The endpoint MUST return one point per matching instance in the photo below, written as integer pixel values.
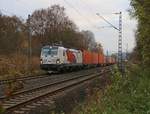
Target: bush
(128, 95)
(1, 110)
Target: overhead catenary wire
(7, 12)
(107, 21)
(93, 14)
(70, 5)
(26, 4)
(89, 9)
(89, 21)
(100, 16)
(19, 2)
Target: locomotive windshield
(49, 51)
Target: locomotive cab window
(45, 51)
(49, 51)
(54, 51)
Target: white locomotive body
(57, 58)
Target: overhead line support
(120, 54)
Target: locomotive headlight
(57, 61)
(41, 61)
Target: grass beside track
(128, 95)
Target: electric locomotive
(58, 58)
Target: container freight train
(58, 58)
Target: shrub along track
(23, 101)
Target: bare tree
(11, 31)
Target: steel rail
(45, 81)
(22, 78)
(41, 87)
(63, 86)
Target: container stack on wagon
(95, 58)
(87, 57)
(100, 59)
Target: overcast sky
(83, 13)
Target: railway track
(28, 98)
(43, 86)
(28, 83)
(6, 81)
(24, 78)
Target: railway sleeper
(19, 112)
(33, 110)
(25, 109)
(29, 109)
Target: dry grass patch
(17, 65)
